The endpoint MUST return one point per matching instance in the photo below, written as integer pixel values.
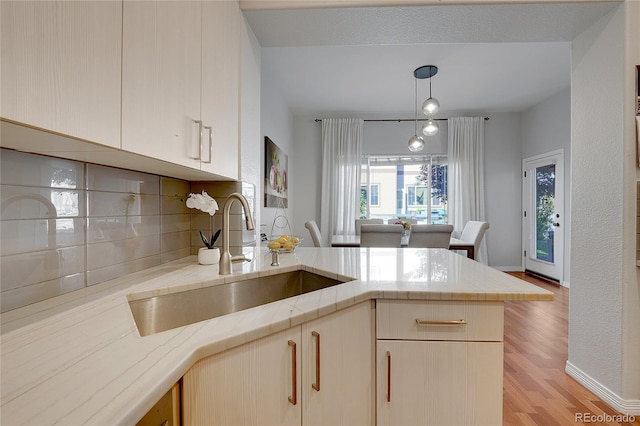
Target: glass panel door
(543, 202)
(545, 212)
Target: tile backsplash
(66, 224)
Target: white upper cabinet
(180, 83)
(61, 63)
(161, 70)
(221, 26)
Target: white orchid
(203, 202)
(207, 204)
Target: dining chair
(312, 226)
(472, 233)
(380, 235)
(432, 236)
(360, 222)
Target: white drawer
(439, 320)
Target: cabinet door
(439, 383)
(221, 86)
(338, 368)
(161, 80)
(61, 67)
(252, 384)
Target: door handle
(293, 399)
(210, 130)
(316, 385)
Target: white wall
(250, 141)
(546, 127)
(276, 123)
(631, 274)
(503, 190)
(600, 322)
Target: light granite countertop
(79, 359)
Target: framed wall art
(276, 178)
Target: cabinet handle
(199, 123)
(426, 322)
(316, 385)
(388, 376)
(294, 385)
(210, 143)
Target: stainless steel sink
(160, 313)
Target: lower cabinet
(439, 383)
(318, 373)
(439, 363)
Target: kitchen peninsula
(79, 359)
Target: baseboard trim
(625, 406)
(508, 268)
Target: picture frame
(276, 179)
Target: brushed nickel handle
(294, 374)
(210, 129)
(199, 123)
(388, 376)
(426, 322)
(316, 385)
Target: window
(374, 200)
(406, 186)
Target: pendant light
(431, 106)
(430, 128)
(416, 143)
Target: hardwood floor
(537, 391)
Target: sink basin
(160, 313)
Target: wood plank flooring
(537, 391)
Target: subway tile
(104, 254)
(102, 178)
(101, 204)
(25, 295)
(22, 236)
(116, 228)
(175, 223)
(29, 268)
(175, 241)
(23, 202)
(218, 189)
(24, 169)
(170, 187)
(110, 272)
(174, 204)
(175, 255)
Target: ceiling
(491, 58)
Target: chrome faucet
(225, 256)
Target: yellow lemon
(288, 245)
(295, 241)
(283, 239)
(273, 245)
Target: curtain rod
(402, 119)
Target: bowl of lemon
(284, 243)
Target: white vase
(207, 256)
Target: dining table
(353, 240)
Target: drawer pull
(426, 322)
(388, 376)
(293, 399)
(316, 385)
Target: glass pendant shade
(430, 128)
(430, 106)
(416, 143)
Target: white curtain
(466, 175)
(341, 157)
